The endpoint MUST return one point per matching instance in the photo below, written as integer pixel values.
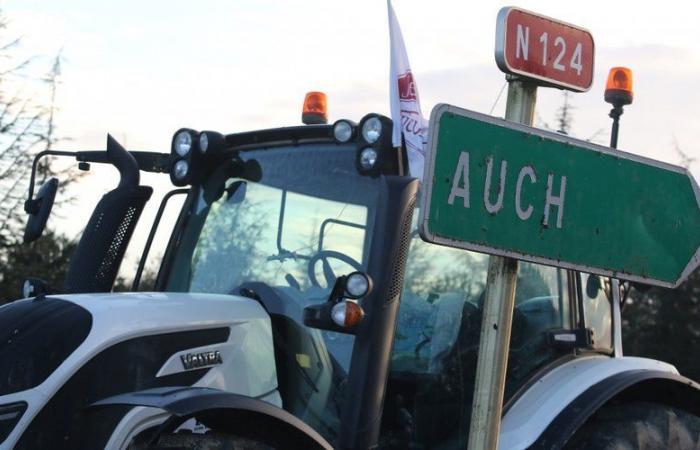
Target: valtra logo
(407, 87)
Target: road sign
(507, 189)
(544, 49)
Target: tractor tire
(208, 441)
(638, 426)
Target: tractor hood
(38, 335)
(62, 353)
(123, 315)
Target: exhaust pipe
(124, 162)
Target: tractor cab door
(433, 363)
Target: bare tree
(685, 159)
(27, 126)
(564, 118)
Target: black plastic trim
(151, 235)
(174, 241)
(281, 136)
(36, 336)
(672, 389)
(127, 366)
(10, 414)
(374, 337)
(225, 412)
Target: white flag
(405, 104)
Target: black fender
(660, 387)
(224, 412)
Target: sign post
(499, 301)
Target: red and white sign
(544, 49)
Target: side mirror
(593, 286)
(39, 209)
(33, 287)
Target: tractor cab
(289, 217)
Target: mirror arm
(147, 161)
(31, 206)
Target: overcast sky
(142, 69)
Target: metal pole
(499, 301)
(615, 114)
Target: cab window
(597, 308)
(433, 363)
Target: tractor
(296, 306)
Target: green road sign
(498, 187)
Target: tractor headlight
(342, 131)
(368, 158)
(372, 130)
(357, 285)
(182, 143)
(203, 142)
(181, 170)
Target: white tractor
(297, 307)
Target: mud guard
(224, 412)
(661, 387)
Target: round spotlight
(357, 285)
(181, 169)
(372, 129)
(183, 143)
(368, 158)
(347, 314)
(342, 131)
(203, 142)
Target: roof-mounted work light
(182, 142)
(372, 129)
(343, 131)
(315, 109)
(211, 142)
(184, 151)
(375, 153)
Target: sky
(142, 69)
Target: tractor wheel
(208, 441)
(638, 426)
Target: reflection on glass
(284, 239)
(598, 309)
(433, 362)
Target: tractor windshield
(280, 225)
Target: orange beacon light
(315, 109)
(618, 89)
(618, 92)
